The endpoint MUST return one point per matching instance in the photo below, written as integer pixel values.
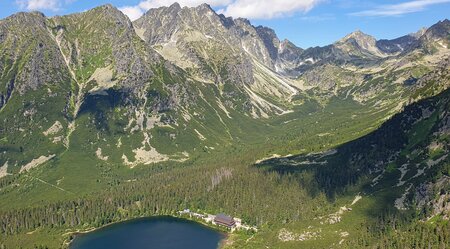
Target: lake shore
(73, 234)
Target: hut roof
(224, 219)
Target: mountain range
(91, 101)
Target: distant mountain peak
(107, 8)
(30, 18)
(359, 36)
(359, 41)
(107, 12)
(440, 30)
(445, 21)
(357, 32)
(173, 8)
(419, 33)
(175, 5)
(441, 24)
(266, 28)
(38, 13)
(287, 43)
(243, 20)
(31, 14)
(204, 6)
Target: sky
(307, 23)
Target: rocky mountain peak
(31, 17)
(111, 13)
(174, 6)
(270, 39)
(359, 37)
(289, 57)
(168, 11)
(286, 44)
(440, 30)
(25, 23)
(268, 31)
(107, 8)
(35, 13)
(159, 25)
(204, 7)
(203, 10)
(243, 20)
(358, 42)
(419, 33)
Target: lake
(150, 233)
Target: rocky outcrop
(206, 40)
(4, 97)
(359, 44)
(26, 41)
(181, 29)
(270, 40)
(434, 197)
(396, 45)
(107, 36)
(439, 31)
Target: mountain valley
(103, 119)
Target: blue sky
(305, 22)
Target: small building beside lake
(219, 220)
(224, 220)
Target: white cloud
(267, 9)
(400, 9)
(53, 5)
(133, 12)
(252, 9)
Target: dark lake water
(150, 233)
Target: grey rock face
(202, 37)
(4, 97)
(434, 196)
(396, 45)
(427, 39)
(270, 40)
(107, 37)
(26, 40)
(159, 24)
(182, 27)
(288, 58)
(288, 51)
(439, 77)
(185, 26)
(402, 44)
(440, 30)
